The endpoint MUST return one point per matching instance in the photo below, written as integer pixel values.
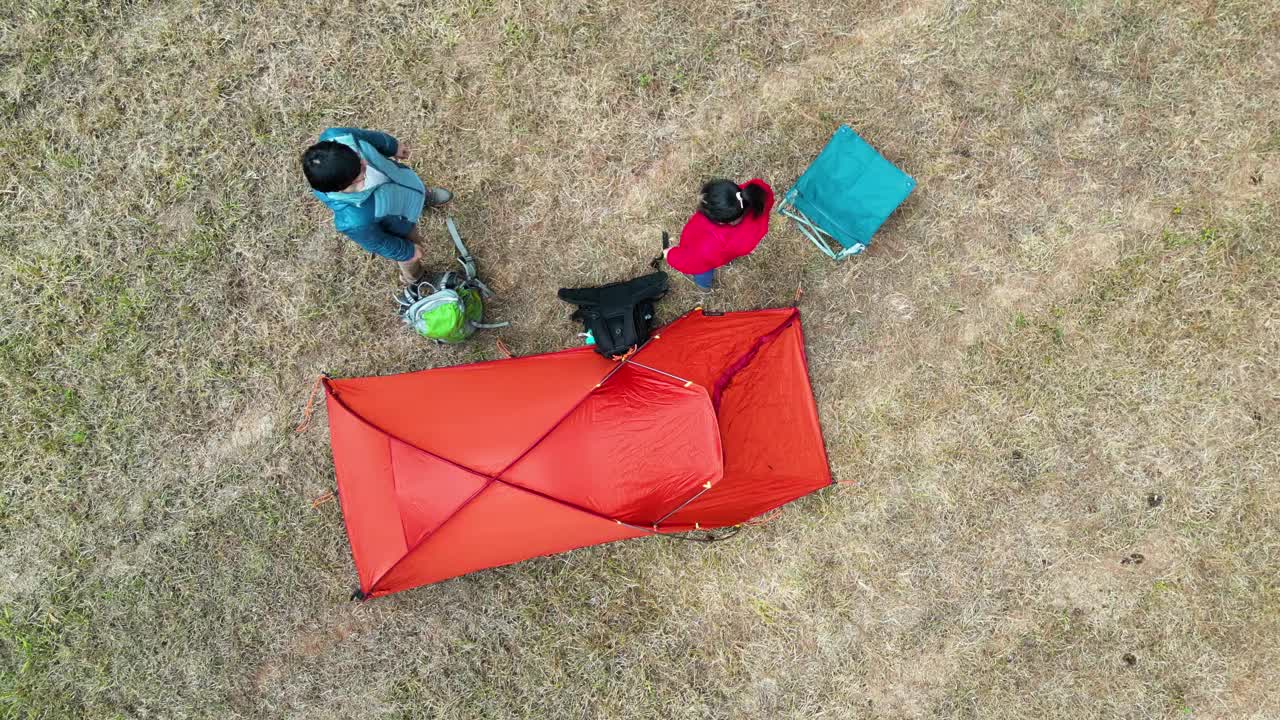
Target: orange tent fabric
(447, 471)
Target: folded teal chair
(845, 195)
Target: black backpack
(619, 315)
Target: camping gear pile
(703, 424)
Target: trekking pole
(666, 244)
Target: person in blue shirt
(376, 200)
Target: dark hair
(330, 166)
(721, 205)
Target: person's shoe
(438, 196)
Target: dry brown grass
(1074, 313)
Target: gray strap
(484, 289)
(468, 262)
(457, 239)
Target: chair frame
(819, 237)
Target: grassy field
(1054, 378)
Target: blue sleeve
(382, 142)
(380, 242)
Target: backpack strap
(484, 289)
(464, 256)
(582, 297)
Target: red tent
(447, 471)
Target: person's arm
(382, 142)
(677, 258)
(684, 257)
(380, 242)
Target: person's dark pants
(704, 280)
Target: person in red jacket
(730, 222)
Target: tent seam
(737, 366)
(395, 488)
(555, 426)
(491, 478)
(722, 383)
(557, 500)
(362, 419)
(373, 587)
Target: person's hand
(665, 252)
(417, 254)
(402, 152)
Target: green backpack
(448, 310)
(448, 307)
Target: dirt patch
(339, 624)
(1255, 178)
(255, 423)
(907, 687)
(1113, 579)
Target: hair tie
(740, 203)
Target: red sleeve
(687, 257)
